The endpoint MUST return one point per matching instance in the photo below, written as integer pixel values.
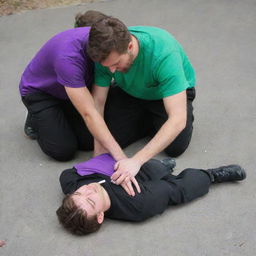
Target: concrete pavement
(219, 37)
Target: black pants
(60, 128)
(130, 119)
(62, 131)
(188, 185)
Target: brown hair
(75, 219)
(88, 18)
(107, 35)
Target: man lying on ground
(90, 194)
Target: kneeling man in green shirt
(144, 86)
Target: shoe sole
(243, 173)
(30, 137)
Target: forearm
(84, 103)
(99, 101)
(175, 107)
(100, 132)
(163, 138)
(176, 110)
(98, 147)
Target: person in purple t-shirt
(55, 88)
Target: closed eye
(91, 202)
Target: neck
(135, 50)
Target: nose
(112, 69)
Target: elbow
(92, 118)
(88, 115)
(99, 101)
(180, 124)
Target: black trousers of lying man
(91, 196)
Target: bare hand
(126, 170)
(127, 186)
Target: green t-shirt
(160, 69)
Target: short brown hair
(75, 219)
(88, 18)
(107, 35)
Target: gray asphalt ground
(219, 37)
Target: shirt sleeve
(68, 181)
(103, 76)
(170, 75)
(70, 73)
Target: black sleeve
(68, 181)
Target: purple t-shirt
(62, 61)
(103, 164)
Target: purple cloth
(103, 164)
(62, 61)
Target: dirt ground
(8, 7)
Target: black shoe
(28, 129)
(169, 162)
(227, 173)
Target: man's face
(93, 198)
(118, 62)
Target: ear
(130, 46)
(100, 217)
